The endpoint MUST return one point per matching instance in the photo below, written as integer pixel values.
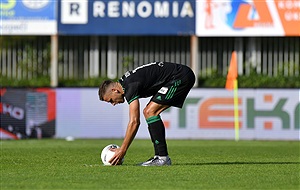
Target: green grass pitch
(197, 164)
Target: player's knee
(148, 112)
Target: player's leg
(156, 127)
(173, 93)
(157, 132)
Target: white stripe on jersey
(146, 65)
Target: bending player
(168, 84)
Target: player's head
(111, 92)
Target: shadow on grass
(235, 163)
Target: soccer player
(168, 84)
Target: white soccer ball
(107, 154)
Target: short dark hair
(103, 88)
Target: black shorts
(174, 92)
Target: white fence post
(238, 46)
(194, 57)
(54, 60)
(94, 57)
(112, 57)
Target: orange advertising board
(289, 13)
(248, 18)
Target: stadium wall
(264, 114)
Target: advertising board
(207, 114)
(116, 17)
(80, 114)
(27, 113)
(263, 114)
(23, 17)
(248, 18)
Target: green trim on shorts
(136, 97)
(173, 89)
(153, 119)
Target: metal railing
(24, 57)
(82, 57)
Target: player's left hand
(117, 158)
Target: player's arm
(133, 124)
(132, 128)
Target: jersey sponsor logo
(163, 90)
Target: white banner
(207, 114)
(248, 18)
(28, 27)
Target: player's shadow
(235, 163)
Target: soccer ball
(107, 154)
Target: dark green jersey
(147, 80)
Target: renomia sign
(127, 17)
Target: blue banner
(28, 17)
(116, 17)
(27, 10)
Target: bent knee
(148, 112)
(154, 109)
